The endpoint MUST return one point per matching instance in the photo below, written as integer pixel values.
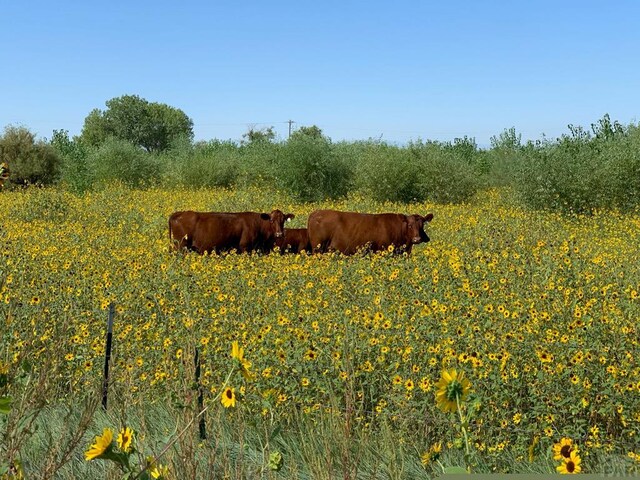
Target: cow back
(225, 231)
(348, 232)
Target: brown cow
(294, 240)
(216, 231)
(348, 232)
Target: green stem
(464, 433)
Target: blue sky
(398, 70)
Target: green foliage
(120, 161)
(308, 169)
(439, 172)
(388, 173)
(30, 161)
(76, 174)
(209, 164)
(447, 171)
(263, 135)
(313, 131)
(498, 165)
(149, 125)
(581, 171)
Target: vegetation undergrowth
(537, 309)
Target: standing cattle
(348, 232)
(216, 232)
(294, 240)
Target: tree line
(141, 143)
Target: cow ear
(428, 217)
(289, 216)
(265, 216)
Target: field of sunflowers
(539, 311)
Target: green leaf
(5, 405)
(275, 461)
(275, 433)
(455, 470)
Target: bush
(75, 172)
(388, 173)
(581, 172)
(29, 161)
(499, 164)
(307, 168)
(623, 170)
(210, 164)
(119, 160)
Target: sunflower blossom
(563, 449)
(228, 397)
(100, 446)
(237, 352)
(156, 470)
(450, 387)
(125, 439)
(570, 464)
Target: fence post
(107, 355)
(202, 425)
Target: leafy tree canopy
(256, 136)
(30, 161)
(313, 131)
(149, 125)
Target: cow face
(276, 220)
(415, 227)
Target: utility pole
(290, 122)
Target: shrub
(499, 164)
(119, 160)
(210, 164)
(580, 171)
(307, 168)
(29, 161)
(389, 173)
(448, 172)
(75, 172)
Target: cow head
(415, 227)
(276, 220)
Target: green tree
(258, 136)
(30, 161)
(313, 131)
(149, 125)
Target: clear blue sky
(397, 69)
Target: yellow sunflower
(451, 386)
(100, 446)
(563, 449)
(237, 352)
(156, 470)
(228, 397)
(125, 439)
(571, 464)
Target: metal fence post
(107, 355)
(202, 425)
